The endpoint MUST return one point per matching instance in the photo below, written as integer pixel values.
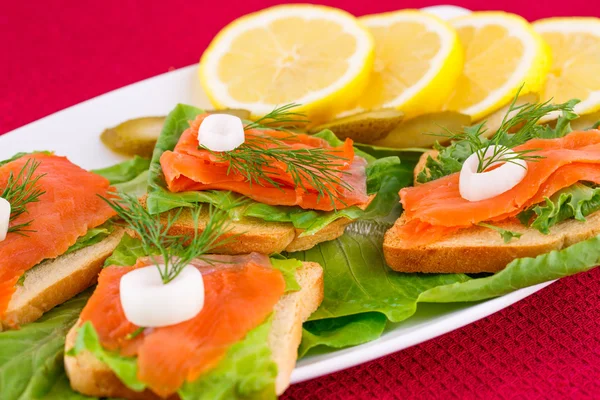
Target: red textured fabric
(59, 53)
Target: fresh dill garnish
(135, 333)
(506, 235)
(317, 167)
(281, 118)
(21, 190)
(176, 251)
(519, 125)
(524, 121)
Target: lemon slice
(418, 59)
(502, 53)
(317, 56)
(575, 71)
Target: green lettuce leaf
(288, 269)
(357, 279)
(505, 234)
(159, 198)
(31, 358)
(125, 171)
(138, 186)
(247, 372)
(385, 176)
(520, 273)
(126, 253)
(337, 333)
(124, 367)
(562, 126)
(576, 201)
(93, 236)
(129, 177)
(448, 161)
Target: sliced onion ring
(4, 217)
(221, 132)
(474, 186)
(148, 302)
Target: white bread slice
(93, 378)
(55, 281)
(257, 235)
(478, 249)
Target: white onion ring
(4, 217)
(474, 186)
(148, 302)
(221, 132)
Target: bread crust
(478, 249)
(55, 281)
(94, 378)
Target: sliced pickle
(138, 136)
(365, 127)
(425, 130)
(494, 120)
(134, 137)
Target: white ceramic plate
(74, 132)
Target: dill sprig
(319, 167)
(519, 125)
(281, 118)
(21, 190)
(176, 251)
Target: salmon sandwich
(481, 203)
(169, 319)
(55, 234)
(283, 190)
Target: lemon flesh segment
(417, 60)
(575, 70)
(502, 55)
(316, 56)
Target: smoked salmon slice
(190, 168)
(240, 294)
(67, 209)
(438, 204)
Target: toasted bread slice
(55, 281)
(257, 235)
(478, 249)
(94, 378)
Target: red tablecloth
(58, 53)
